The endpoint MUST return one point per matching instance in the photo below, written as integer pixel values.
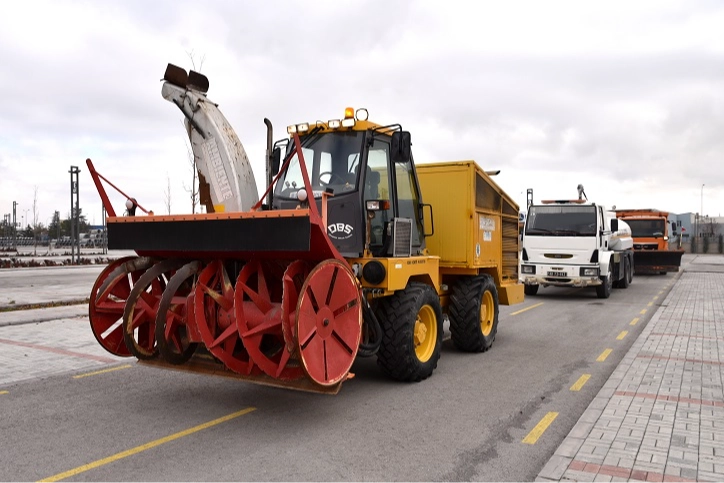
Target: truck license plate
(556, 274)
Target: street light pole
(702, 200)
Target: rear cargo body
(475, 225)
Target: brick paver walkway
(660, 416)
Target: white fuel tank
(220, 156)
(621, 239)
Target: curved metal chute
(219, 155)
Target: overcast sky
(626, 98)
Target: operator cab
(357, 161)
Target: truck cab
(352, 166)
(575, 243)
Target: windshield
(561, 221)
(646, 228)
(332, 160)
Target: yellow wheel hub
(487, 313)
(425, 333)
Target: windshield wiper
(537, 231)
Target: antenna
(581, 193)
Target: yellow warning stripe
(147, 446)
(540, 428)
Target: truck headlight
(529, 269)
(589, 272)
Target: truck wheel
(631, 271)
(530, 289)
(604, 290)
(411, 322)
(474, 313)
(623, 283)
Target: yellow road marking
(622, 335)
(634, 321)
(4, 392)
(527, 308)
(662, 290)
(580, 382)
(144, 447)
(540, 428)
(102, 371)
(603, 355)
(642, 312)
(656, 296)
(649, 304)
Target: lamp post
(702, 200)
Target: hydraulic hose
(371, 332)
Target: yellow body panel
(399, 271)
(476, 224)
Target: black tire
(399, 356)
(474, 313)
(530, 289)
(604, 290)
(631, 270)
(623, 283)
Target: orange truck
(655, 249)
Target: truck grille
(402, 236)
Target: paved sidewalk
(660, 416)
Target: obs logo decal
(340, 231)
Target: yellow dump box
(475, 225)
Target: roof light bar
(291, 129)
(333, 124)
(348, 122)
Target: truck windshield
(332, 160)
(646, 228)
(561, 221)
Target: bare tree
(36, 215)
(167, 194)
(193, 58)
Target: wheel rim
(425, 333)
(257, 305)
(108, 300)
(329, 322)
(487, 313)
(215, 320)
(175, 312)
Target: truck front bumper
(560, 276)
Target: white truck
(575, 243)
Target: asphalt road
(467, 422)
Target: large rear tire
(474, 313)
(623, 283)
(604, 290)
(411, 321)
(530, 289)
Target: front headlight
(589, 272)
(529, 269)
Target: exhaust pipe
(269, 174)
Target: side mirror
(614, 225)
(276, 160)
(400, 147)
